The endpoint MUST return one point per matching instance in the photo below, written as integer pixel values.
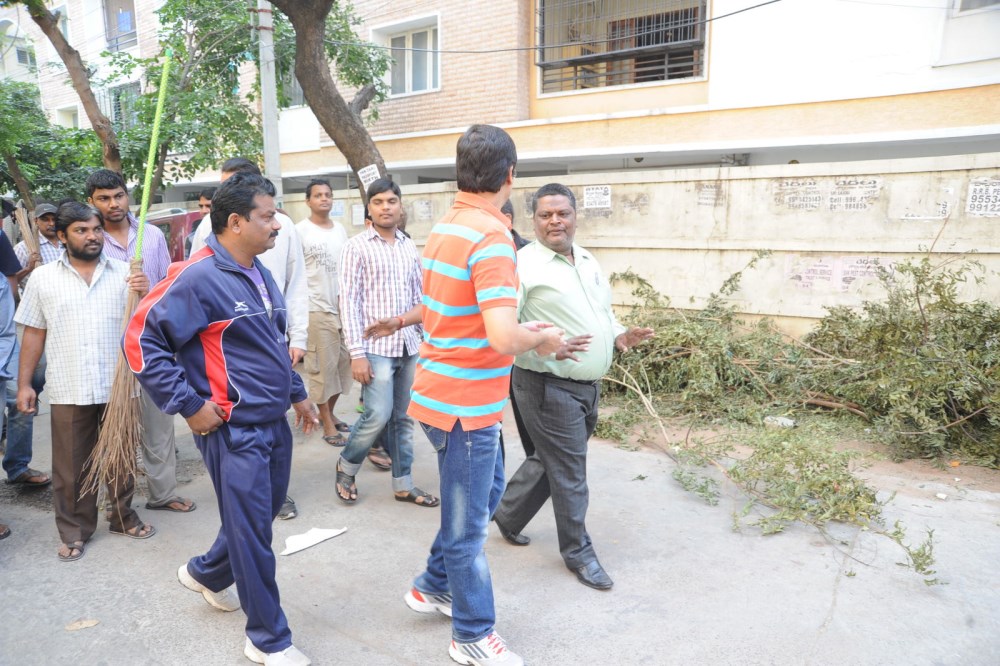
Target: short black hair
(313, 183)
(207, 193)
(236, 195)
(105, 179)
(240, 165)
(484, 156)
(508, 209)
(74, 211)
(383, 185)
(552, 190)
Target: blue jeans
(20, 427)
(386, 399)
(472, 483)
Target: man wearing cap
(49, 246)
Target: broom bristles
(119, 436)
(27, 229)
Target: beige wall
(687, 230)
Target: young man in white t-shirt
(327, 365)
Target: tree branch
(362, 99)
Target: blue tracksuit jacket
(203, 333)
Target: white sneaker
(425, 602)
(489, 651)
(226, 600)
(290, 656)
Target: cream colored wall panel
(829, 227)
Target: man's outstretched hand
(577, 343)
(632, 337)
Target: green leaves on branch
(919, 365)
(206, 118)
(926, 362)
(55, 160)
(916, 369)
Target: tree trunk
(81, 83)
(312, 69)
(20, 182)
(161, 163)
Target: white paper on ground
(297, 542)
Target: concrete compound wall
(826, 225)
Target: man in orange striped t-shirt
(471, 335)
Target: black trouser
(559, 415)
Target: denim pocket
(437, 437)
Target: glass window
(415, 61)
(398, 65)
(119, 24)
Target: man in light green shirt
(557, 400)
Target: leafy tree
(324, 33)
(43, 161)
(79, 76)
(19, 121)
(205, 119)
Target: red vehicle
(176, 224)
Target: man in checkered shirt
(72, 309)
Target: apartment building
(609, 85)
(837, 134)
(93, 27)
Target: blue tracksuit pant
(249, 466)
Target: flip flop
(75, 545)
(342, 427)
(4, 531)
(335, 440)
(346, 482)
(139, 534)
(416, 493)
(22, 479)
(176, 500)
(380, 459)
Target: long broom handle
(151, 161)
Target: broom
(29, 234)
(113, 459)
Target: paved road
(688, 589)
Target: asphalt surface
(688, 589)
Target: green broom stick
(113, 460)
(154, 141)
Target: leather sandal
(345, 483)
(418, 497)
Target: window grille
(119, 105)
(26, 57)
(598, 43)
(119, 24)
